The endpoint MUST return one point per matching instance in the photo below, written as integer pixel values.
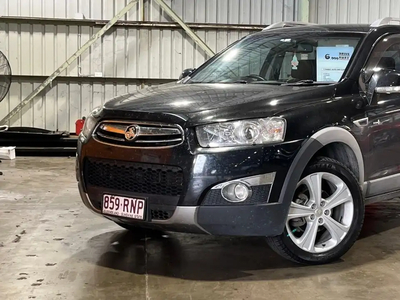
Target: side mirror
(382, 82)
(186, 73)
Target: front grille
(139, 134)
(161, 214)
(134, 177)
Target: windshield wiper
(269, 82)
(307, 82)
(254, 82)
(219, 82)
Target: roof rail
(287, 24)
(386, 21)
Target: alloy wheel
(321, 214)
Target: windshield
(281, 59)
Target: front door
(383, 119)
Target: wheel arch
(315, 145)
(338, 136)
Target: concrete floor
(52, 247)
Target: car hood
(206, 103)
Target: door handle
(377, 122)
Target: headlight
(91, 122)
(239, 133)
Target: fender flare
(316, 142)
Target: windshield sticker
(295, 62)
(332, 61)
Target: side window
(386, 55)
(382, 69)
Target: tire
(140, 231)
(313, 243)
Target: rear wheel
(325, 216)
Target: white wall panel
(122, 52)
(200, 11)
(61, 105)
(226, 11)
(353, 11)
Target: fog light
(241, 191)
(236, 192)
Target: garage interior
(68, 57)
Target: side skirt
(382, 197)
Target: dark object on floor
(37, 141)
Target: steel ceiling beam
(68, 62)
(189, 31)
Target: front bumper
(183, 219)
(246, 220)
(193, 211)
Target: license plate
(124, 207)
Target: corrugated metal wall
(199, 11)
(352, 11)
(124, 52)
(61, 105)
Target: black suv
(286, 134)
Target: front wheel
(325, 216)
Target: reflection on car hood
(201, 102)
